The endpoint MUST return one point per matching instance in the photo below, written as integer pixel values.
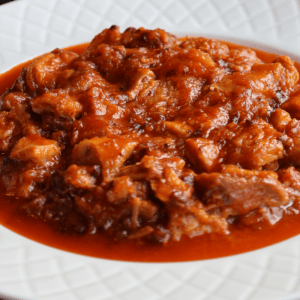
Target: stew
(148, 143)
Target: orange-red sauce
(204, 247)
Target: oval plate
(29, 270)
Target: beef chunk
(203, 153)
(109, 153)
(57, 102)
(279, 119)
(293, 149)
(43, 72)
(253, 144)
(178, 128)
(142, 81)
(81, 177)
(237, 192)
(290, 179)
(123, 187)
(171, 188)
(213, 47)
(6, 130)
(97, 126)
(292, 106)
(102, 102)
(14, 99)
(152, 166)
(36, 149)
(24, 184)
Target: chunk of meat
(237, 192)
(283, 73)
(24, 184)
(75, 81)
(236, 170)
(162, 171)
(124, 206)
(241, 59)
(192, 62)
(279, 119)
(142, 81)
(290, 178)
(20, 115)
(292, 106)
(141, 208)
(135, 194)
(109, 153)
(251, 93)
(215, 117)
(289, 75)
(253, 144)
(293, 149)
(153, 39)
(57, 102)
(81, 177)
(123, 187)
(7, 127)
(188, 88)
(180, 129)
(194, 221)
(162, 101)
(171, 188)
(134, 38)
(216, 49)
(97, 126)
(101, 102)
(109, 61)
(147, 209)
(36, 149)
(203, 153)
(110, 36)
(258, 81)
(43, 72)
(13, 99)
(152, 167)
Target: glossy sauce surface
(241, 239)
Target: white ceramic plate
(29, 270)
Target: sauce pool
(240, 240)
